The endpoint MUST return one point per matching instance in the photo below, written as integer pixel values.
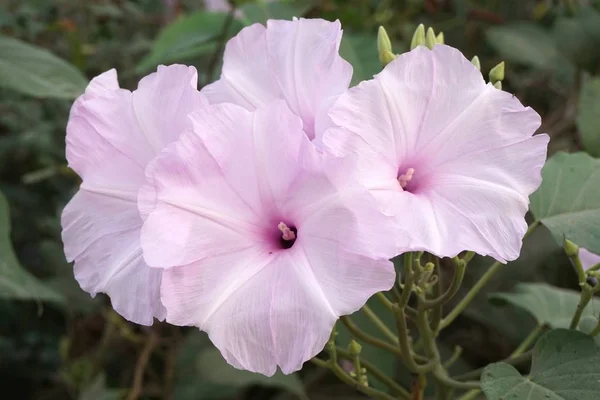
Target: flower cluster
(267, 205)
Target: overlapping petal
(228, 184)
(471, 147)
(111, 136)
(296, 61)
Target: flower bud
(439, 39)
(498, 85)
(354, 348)
(430, 38)
(497, 73)
(418, 38)
(476, 63)
(386, 57)
(571, 249)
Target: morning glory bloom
(296, 61)
(452, 158)
(263, 241)
(112, 134)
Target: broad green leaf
(587, 325)
(565, 366)
(568, 201)
(15, 282)
(189, 37)
(37, 72)
(588, 115)
(262, 11)
(361, 52)
(546, 303)
(201, 373)
(530, 45)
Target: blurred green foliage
(75, 347)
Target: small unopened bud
(439, 39)
(430, 38)
(497, 73)
(592, 281)
(418, 38)
(384, 45)
(354, 348)
(571, 249)
(386, 57)
(498, 85)
(476, 63)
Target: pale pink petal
(247, 79)
(468, 147)
(296, 61)
(305, 61)
(102, 235)
(588, 259)
(217, 201)
(111, 135)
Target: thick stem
(586, 295)
(405, 350)
(485, 278)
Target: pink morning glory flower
(264, 241)
(112, 134)
(296, 61)
(453, 158)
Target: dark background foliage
(58, 343)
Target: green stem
(358, 334)
(384, 300)
(485, 278)
(379, 324)
(405, 350)
(528, 341)
(378, 374)
(437, 312)
(586, 295)
(457, 279)
(347, 379)
(454, 357)
(443, 377)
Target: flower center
(288, 235)
(406, 177)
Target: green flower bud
(476, 63)
(386, 57)
(430, 38)
(571, 249)
(418, 38)
(354, 348)
(383, 41)
(498, 85)
(439, 39)
(497, 73)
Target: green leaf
(261, 11)
(530, 45)
(587, 325)
(15, 282)
(568, 201)
(188, 37)
(565, 366)
(382, 359)
(548, 304)
(361, 52)
(588, 115)
(37, 72)
(201, 373)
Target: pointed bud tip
(439, 39)
(418, 38)
(476, 63)
(430, 40)
(497, 73)
(571, 249)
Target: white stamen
(406, 177)
(287, 233)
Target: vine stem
(485, 278)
